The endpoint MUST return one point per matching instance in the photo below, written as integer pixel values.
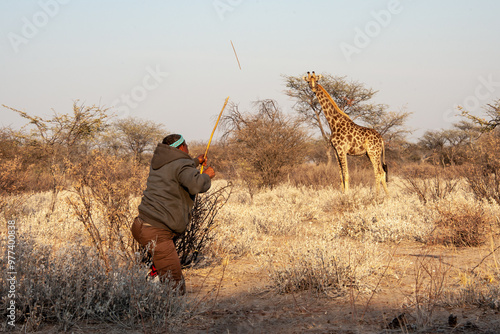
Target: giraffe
(348, 138)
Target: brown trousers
(160, 245)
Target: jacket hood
(164, 154)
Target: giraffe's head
(312, 80)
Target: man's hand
(202, 160)
(210, 172)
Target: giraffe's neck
(328, 100)
(332, 112)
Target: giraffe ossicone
(349, 138)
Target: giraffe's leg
(344, 172)
(383, 176)
(377, 176)
(379, 173)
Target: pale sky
(172, 61)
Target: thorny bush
(199, 233)
(460, 226)
(103, 187)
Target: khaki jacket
(172, 185)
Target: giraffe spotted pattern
(349, 138)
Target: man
(164, 212)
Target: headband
(178, 142)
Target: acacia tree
(66, 136)
(264, 145)
(73, 133)
(355, 100)
(447, 146)
(483, 174)
(492, 111)
(134, 135)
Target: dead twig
(484, 258)
(378, 283)
(224, 265)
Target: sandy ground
(246, 304)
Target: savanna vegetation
(274, 224)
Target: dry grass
(301, 239)
(62, 280)
(322, 241)
(319, 176)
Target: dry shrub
(12, 181)
(351, 201)
(11, 176)
(430, 281)
(460, 226)
(200, 232)
(430, 183)
(329, 267)
(483, 173)
(104, 186)
(475, 292)
(19, 175)
(264, 145)
(316, 176)
(484, 183)
(72, 284)
(395, 219)
(316, 271)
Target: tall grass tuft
(328, 267)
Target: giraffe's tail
(384, 166)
